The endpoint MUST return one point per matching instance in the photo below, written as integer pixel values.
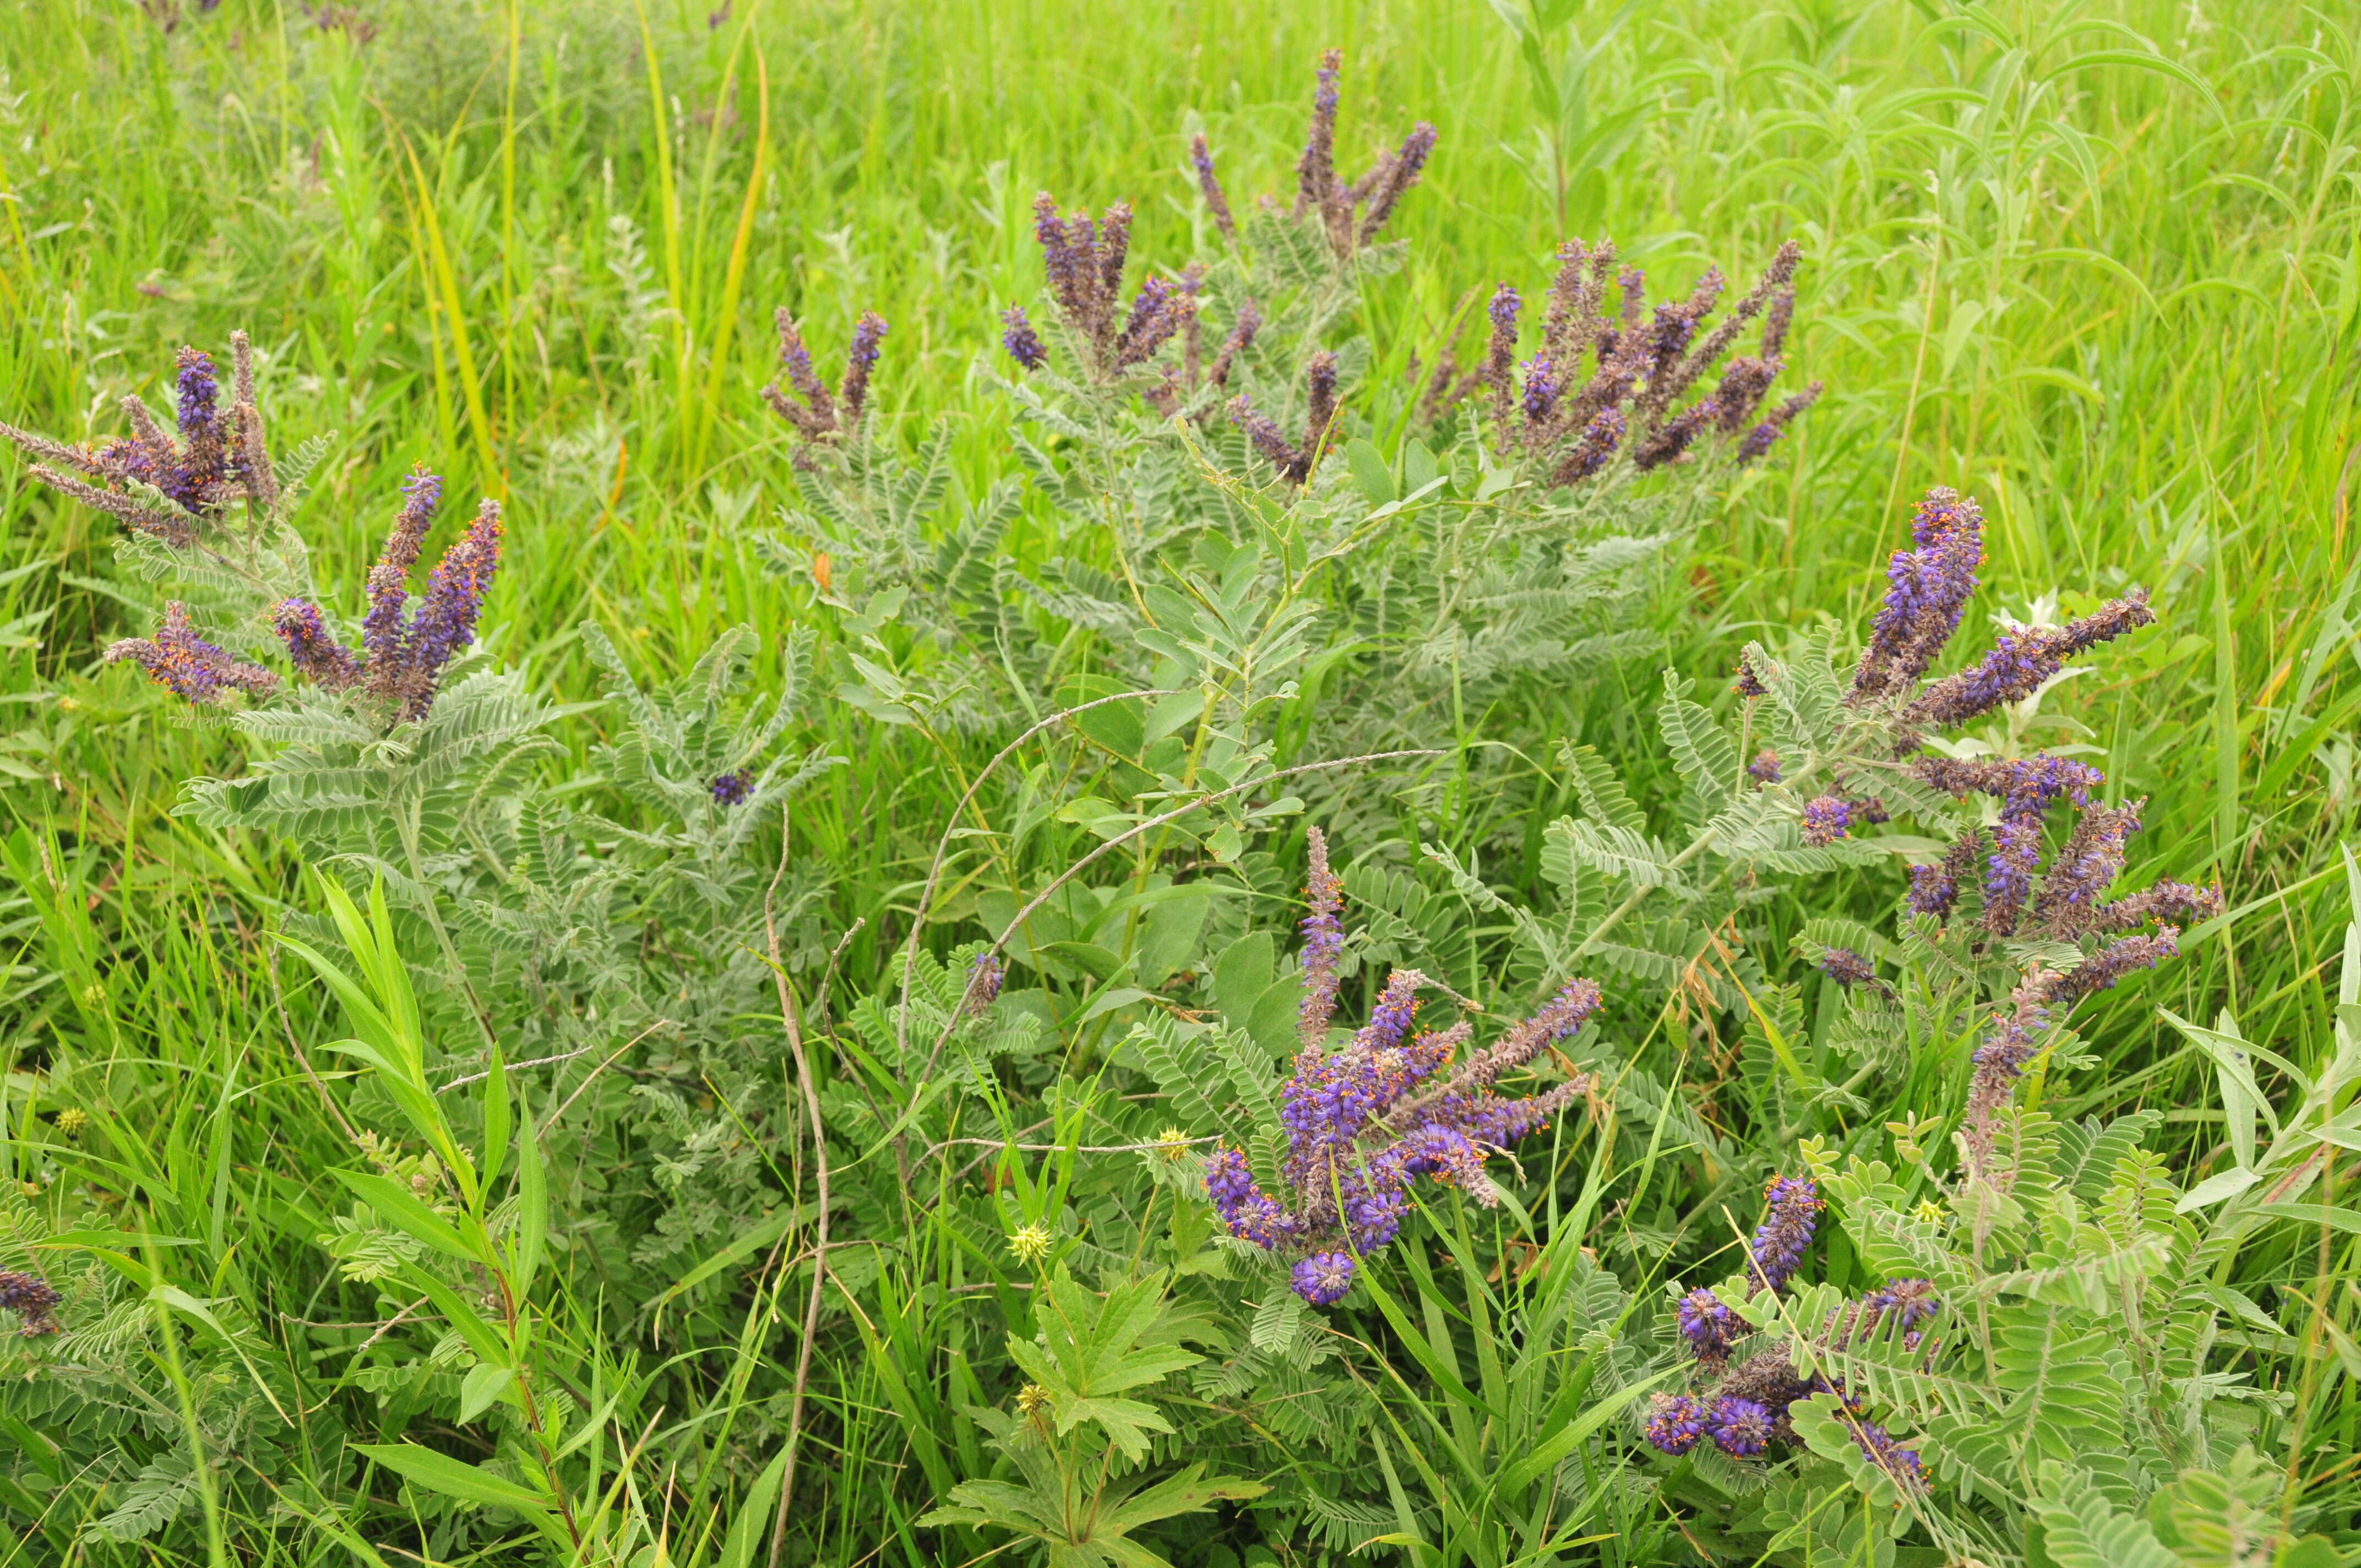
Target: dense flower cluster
(1708, 1324)
(1742, 1410)
(179, 659)
(1642, 361)
(2017, 897)
(1323, 943)
(1927, 590)
(404, 649)
(1396, 1103)
(1827, 818)
(1909, 1301)
(213, 461)
(1351, 213)
(1848, 967)
(1792, 1206)
(1677, 1423)
(33, 1300)
(731, 788)
(985, 976)
(1023, 345)
(1295, 460)
(217, 459)
(823, 415)
(2022, 659)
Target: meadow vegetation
(904, 782)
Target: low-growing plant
(1082, 1230)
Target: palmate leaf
(1092, 1348)
(1087, 1534)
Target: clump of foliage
(1084, 1217)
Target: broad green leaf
(2214, 1189)
(1550, 1450)
(1370, 472)
(485, 1382)
(496, 1120)
(753, 1517)
(532, 1209)
(402, 1209)
(449, 1477)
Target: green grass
(2097, 265)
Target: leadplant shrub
(1085, 1186)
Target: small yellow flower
(1928, 1211)
(71, 1122)
(1032, 1400)
(1172, 1144)
(1031, 1243)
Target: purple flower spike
(2102, 969)
(185, 664)
(1739, 1427)
(861, 357)
(1927, 591)
(197, 391)
(731, 788)
(316, 656)
(1315, 172)
(1901, 1464)
(446, 622)
(1501, 352)
(1390, 1019)
(31, 1298)
(389, 580)
(1292, 464)
(1848, 967)
(1709, 1326)
(1785, 1234)
(203, 460)
(1155, 317)
(1764, 768)
(1825, 820)
(1768, 433)
(2022, 661)
(1250, 1213)
(984, 978)
(1023, 344)
(1540, 389)
(1598, 446)
(1324, 1277)
(1908, 1302)
(1363, 1121)
(1676, 1424)
(1209, 184)
(1400, 173)
(1324, 941)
